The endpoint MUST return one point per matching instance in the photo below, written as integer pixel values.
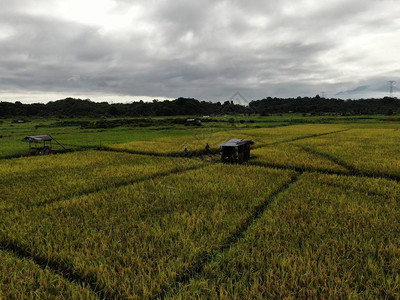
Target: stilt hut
(236, 150)
(41, 144)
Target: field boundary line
(60, 152)
(258, 212)
(99, 189)
(200, 153)
(13, 156)
(117, 185)
(297, 169)
(301, 138)
(207, 258)
(331, 158)
(108, 149)
(57, 268)
(193, 154)
(171, 154)
(327, 172)
(358, 190)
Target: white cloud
(205, 49)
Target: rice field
(23, 279)
(292, 156)
(153, 230)
(26, 182)
(368, 151)
(313, 214)
(197, 141)
(325, 237)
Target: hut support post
(58, 142)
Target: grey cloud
(204, 49)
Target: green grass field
(313, 213)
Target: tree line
(71, 107)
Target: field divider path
(325, 171)
(104, 188)
(81, 148)
(331, 158)
(297, 169)
(62, 269)
(301, 138)
(172, 154)
(372, 193)
(57, 268)
(239, 233)
(106, 148)
(117, 185)
(200, 153)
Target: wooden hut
(41, 144)
(236, 150)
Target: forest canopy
(71, 107)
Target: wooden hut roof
(39, 138)
(236, 143)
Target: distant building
(193, 122)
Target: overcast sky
(121, 50)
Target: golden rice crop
(196, 143)
(291, 156)
(23, 279)
(372, 151)
(327, 236)
(33, 180)
(135, 240)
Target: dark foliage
(85, 108)
(318, 105)
(71, 108)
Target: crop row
(135, 240)
(327, 236)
